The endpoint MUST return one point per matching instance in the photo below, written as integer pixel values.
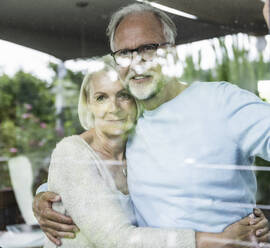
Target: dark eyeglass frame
(155, 46)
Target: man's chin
(140, 95)
(141, 90)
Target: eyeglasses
(147, 52)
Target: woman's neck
(108, 147)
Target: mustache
(133, 74)
(142, 69)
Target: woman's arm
(96, 209)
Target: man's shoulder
(204, 91)
(214, 89)
(226, 89)
(224, 94)
(216, 85)
(206, 94)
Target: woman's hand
(261, 225)
(251, 231)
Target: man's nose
(136, 58)
(137, 63)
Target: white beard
(142, 91)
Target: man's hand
(247, 232)
(266, 12)
(53, 224)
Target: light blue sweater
(179, 172)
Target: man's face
(135, 30)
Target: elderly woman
(89, 172)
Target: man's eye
(148, 48)
(124, 52)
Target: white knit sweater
(89, 196)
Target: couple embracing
(131, 179)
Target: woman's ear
(88, 100)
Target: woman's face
(113, 108)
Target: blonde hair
(85, 115)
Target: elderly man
(182, 126)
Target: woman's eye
(100, 98)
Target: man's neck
(167, 92)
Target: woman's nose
(113, 106)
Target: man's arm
(53, 224)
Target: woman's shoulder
(72, 140)
(71, 145)
(72, 153)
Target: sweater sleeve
(95, 208)
(248, 119)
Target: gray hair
(84, 112)
(169, 28)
